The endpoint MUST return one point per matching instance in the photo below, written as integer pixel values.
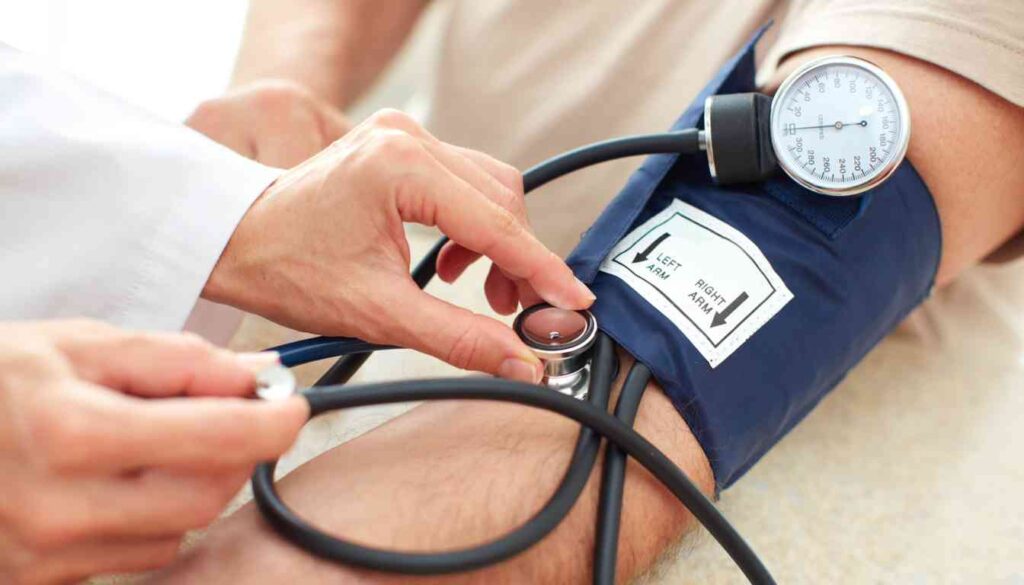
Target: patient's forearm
(334, 47)
(450, 475)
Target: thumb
(462, 338)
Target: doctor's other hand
(276, 122)
(324, 249)
(113, 444)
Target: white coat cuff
(186, 246)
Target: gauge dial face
(840, 126)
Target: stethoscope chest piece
(275, 383)
(562, 339)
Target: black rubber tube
(318, 348)
(613, 480)
(342, 370)
(593, 418)
(578, 471)
(680, 142)
(309, 538)
(677, 142)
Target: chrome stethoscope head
(562, 339)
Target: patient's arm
(453, 474)
(965, 143)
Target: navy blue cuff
(855, 266)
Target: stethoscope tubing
(591, 414)
(681, 141)
(577, 473)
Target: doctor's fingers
(456, 335)
(502, 184)
(51, 516)
(503, 290)
(80, 561)
(156, 364)
(455, 259)
(86, 429)
(500, 291)
(498, 181)
(505, 174)
(439, 198)
(505, 293)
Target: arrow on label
(721, 316)
(641, 256)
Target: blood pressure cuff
(750, 303)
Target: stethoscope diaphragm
(562, 340)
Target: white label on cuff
(706, 277)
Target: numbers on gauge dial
(838, 125)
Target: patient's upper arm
(966, 143)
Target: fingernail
(520, 370)
(576, 296)
(585, 292)
(258, 361)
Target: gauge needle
(837, 125)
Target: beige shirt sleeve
(981, 40)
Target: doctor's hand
(276, 122)
(113, 444)
(324, 249)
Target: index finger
(471, 219)
(156, 364)
(190, 433)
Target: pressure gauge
(839, 126)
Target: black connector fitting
(737, 137)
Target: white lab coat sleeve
(105, 210)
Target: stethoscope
(837, 115)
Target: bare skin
(277, 122)
(316, 44)
(63, 461)
(976, 186)
(352, 201)
(448, 475)
(964, 143)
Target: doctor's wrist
(234, 280)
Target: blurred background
(165, 56)
(169, 56)
(919, 483)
